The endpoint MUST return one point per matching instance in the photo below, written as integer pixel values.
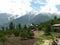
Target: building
(56, 27)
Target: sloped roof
(56, 25)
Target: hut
(56, 27)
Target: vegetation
(11, 26)
(46, 27)
(48, 30)
(15, 30)
(26, 32)
(3, 38)
(42, 38)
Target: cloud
(14, 7)
(21, 7)
(50, 6)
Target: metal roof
(56, 25)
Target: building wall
(56, 29)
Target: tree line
(16, 30)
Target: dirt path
(46, 42)
(38, 33)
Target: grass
(42, 38)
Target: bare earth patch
(46, 42)
(38, 33)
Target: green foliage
(2, 28)
(48, 30)
(25, 27)
(2, 36)
(11, 26)
(31, 34)
(19, 26)
(46, 37)
(8, 32)
(50, 22)
(55, 17)
(16, 32)
(42, 38)
(3, 39)
(6, 28)
(25, 34)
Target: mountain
(4, 18)
(32, 18)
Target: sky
(21, 7)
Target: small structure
(56, 27)
(32, 27)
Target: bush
(8, 32)
(26, 34)
(31, 34)
(16, 32)
(48, 30)
(3, 38)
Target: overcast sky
(21, 7)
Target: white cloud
(21, 7)
(14, 7)
(50, 6)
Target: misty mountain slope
(4, 18)
(28, 19)
(24, 19)
(40, 18)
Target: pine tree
(55, 17)
(2, 28)
(19, 26)
(25, 27)
(48, 30)
(11, 26)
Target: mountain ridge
(31, 17)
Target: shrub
(48, 30)
(3, 38)
(8, 32)
(16, 32)
(31, 34)
(26, 34)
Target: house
(56, 27)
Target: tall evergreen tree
(48, 29)
(52, 22)
(2, 28)
(11, 26)
(55, 17)
(25, 27)
(19, 26)
(6, 28)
